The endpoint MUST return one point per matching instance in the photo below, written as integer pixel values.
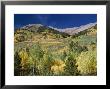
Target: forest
(43, 51)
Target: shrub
(87, 63)
(57, 66)
(17, 63)
(46, 64)
(36, 54)
(75, 47)
(20, 38)
(24, 57)
(71, 67)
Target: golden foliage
(87, 62)
(24, 58)
(58, 66)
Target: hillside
(76, 30)
(44, 51)
(36, 31)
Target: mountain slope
(76, 30)
(32, 31)
(37, 31)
